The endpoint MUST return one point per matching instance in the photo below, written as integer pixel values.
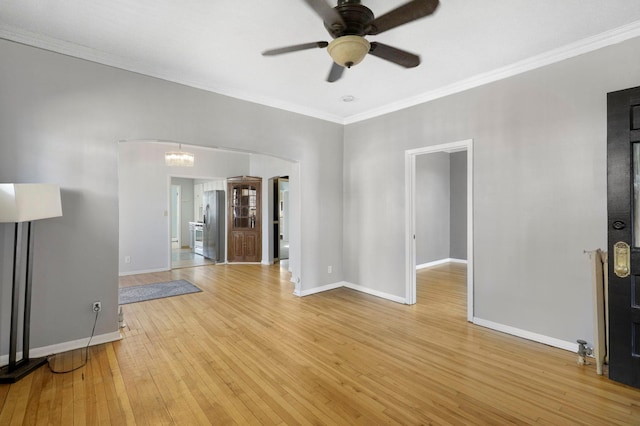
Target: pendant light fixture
(179, 158)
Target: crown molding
(92, 55)
(580, 47)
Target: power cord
(86, 349)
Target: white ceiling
(216, 45)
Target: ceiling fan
(349, 22)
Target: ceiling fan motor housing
(355, 16)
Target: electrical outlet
(127, 259)
(330, 269)
(96, 306)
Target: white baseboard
(143, 271)
(65, 346)
(376, 293)
(440, 262)
(351, 286)
(320, 289)
(540, 338)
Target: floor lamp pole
(15, 370)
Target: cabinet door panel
(236, 246)
(251, 247)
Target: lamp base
(22, 368)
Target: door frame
(410, 218)
(274, 202)
(176, 213)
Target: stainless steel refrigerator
(213, 208)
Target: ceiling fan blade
(395, 55)
(408, 12)
(295, 48)
(335, 73)
(329, 15)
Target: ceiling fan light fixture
(349, 50)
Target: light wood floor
(185, 258)
(246, 351)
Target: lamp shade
(23, 202)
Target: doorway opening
(283, 206)
(279, 217)
(187, 220)
(175, 216)
(413, 202)
(144, 184)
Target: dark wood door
(245, 216)
(623, 193)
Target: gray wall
(441, 207)
(539, 188)
(60, 122)
(433, 196)
(458, 209)
(267, 168)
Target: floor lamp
(21, 204)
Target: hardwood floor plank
(35, 392)
(17, 414)
(119, 389)
(247, 351)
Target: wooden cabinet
(244, 219)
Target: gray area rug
(141, 293)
